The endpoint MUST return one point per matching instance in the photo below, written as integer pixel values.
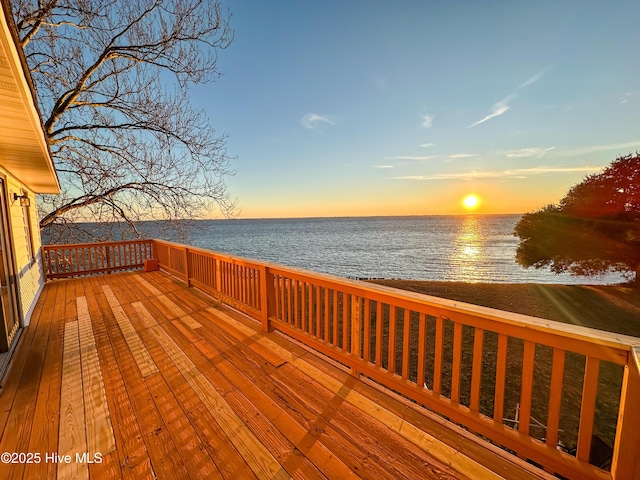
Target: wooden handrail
(72, 260)
(421, 346)
(412, 300)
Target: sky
(364, 108)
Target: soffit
(23, 148)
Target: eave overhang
(24, 151)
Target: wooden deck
(150, 379)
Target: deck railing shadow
(523, 383)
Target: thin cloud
(383, 166)
(535, 78)
(532, 80)
(518, 173)
(627, 97)
(603, 148)
(410, 157)
(536, 152)
(426, 145)
(312, 121)
(427, 120)
(498, 108)
(463, 155)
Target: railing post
(267, 297)
(218, 280)
(626, 450)
(44, 262)
(186, 266)
(153, 249)
(107, 256)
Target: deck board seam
(140, 353)
(255, 453)
(410, 432)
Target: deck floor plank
(244, 337)
(133, 458)
(400, 461)
(19, 421)
(228, 460)
(224, 455)
(192, 389)
(160, 446)
(72, 437)
(98, 418)
(317, 412)
(317, 453)
(255, 453)
(138, 350)
(44, 438)
(190, 448)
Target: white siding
(28, 271)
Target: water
(473, 248)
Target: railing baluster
(406, 349)
(304, 319)
(501, 369)
(457, 362)
(526, 391)
(391, 353)
(334, 317)
(379, 326)
(367, 330)
(326, 315)
(296, 304)
(476, 369)
(356, 328)
(422, 347)
(555, 397)
(318, 306)
(437, 362)
(345, 321)
(587, 409)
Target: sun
(471, 202)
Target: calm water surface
(473, 248)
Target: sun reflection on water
(468, 256)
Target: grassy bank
(615, 308)
(612, 308)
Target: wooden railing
(471, 364)
(62, 261)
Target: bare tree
(112, 82)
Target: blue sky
(341, 108)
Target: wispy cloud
(518, 173)
(313, 121)
(381, 167)
(536, 77)
(427, 120)
(426, 145)
(463, 155)
(532, 80)
(603, 148)
(411, 157)
(498, 108)
(627, 97)
(536, 152)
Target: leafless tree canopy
(112, 81)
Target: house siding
(28, 270)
